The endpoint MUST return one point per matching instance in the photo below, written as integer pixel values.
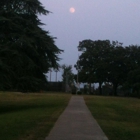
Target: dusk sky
(91, 19)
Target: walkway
(76, 123)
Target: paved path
(76, 123)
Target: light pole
(56, 75)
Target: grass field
(118, 117)
(29, 116)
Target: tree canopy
(26, 50)
(104, 61)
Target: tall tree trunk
(115, 86)
(100, 88)
(89, 88)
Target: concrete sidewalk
(76, 123)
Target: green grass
(29, 116)
(118, 117)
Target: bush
(79, 92)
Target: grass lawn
(118, 117)
(29, 116)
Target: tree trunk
(89, 88)
(115, 89)
(100, 88)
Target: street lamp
(56, 74)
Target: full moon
(72, 10)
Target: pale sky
(92, 19)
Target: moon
(72, 10)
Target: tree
(117, 65)
(67, 75)
(134, 81)
(26, 50)
(92, 62)
(102, 61)
(133, 78)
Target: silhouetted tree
(133, 78)
(26, 50)
(103, 61)
(117, 65)
(67, 75)
(92, 62)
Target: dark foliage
(104, 61)
(26, 50)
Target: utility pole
(56, 75)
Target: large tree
(92, 61)
(26, 50)
(133, 78)
(103, 61)
(117, 65)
